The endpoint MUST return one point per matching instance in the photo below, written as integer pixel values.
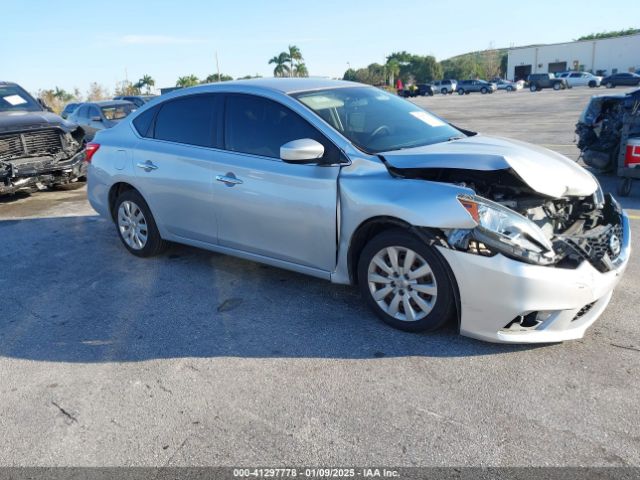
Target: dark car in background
(137, 100)
(540, 81)
(420, 89)
(37, 148)
(94, 116)
(68, 109)
(624, 79)
(465, 87)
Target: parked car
(68, 109)
(445, 86)
(508, 85)
(137, 100)
(465, 87)
(421, 89)
(37, 147)
(540, 81)
(621, 79)
(94, 116)
(580, 79)
(354, 185)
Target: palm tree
(294, 55)
(393, 69)
(301, 70)
(281, 68)
(187, 81)
(146, 81)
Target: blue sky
(47, 43)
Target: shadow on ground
(72, 293)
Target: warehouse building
(602, 57)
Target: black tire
(443, 308)
(624, 187)
(509, 89)
(484, 90)
(533, 87)
(557, 86)
(593, 84)
(443, 91)
(154, 243)
(610, 85)
(460, 91)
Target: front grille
(30, 144)
(595, 246)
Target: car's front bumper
(496, 290)
(42, 171)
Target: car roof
(109, 103)
(282, 85)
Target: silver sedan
(511, 242)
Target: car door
(174, 165)
(264, 205)
(576, 79)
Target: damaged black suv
(37, 148)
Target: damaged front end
(39, 157)
(561, 233)
(600, 127)
(514, 220)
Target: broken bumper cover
(496, 290)
(38, 172)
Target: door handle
(147, 166)
(229, 179)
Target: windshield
(376, 121)
(14, 98)
(117, 112)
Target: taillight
(90, 150)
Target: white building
(607, 55)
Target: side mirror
(96, 119)
(304, 150)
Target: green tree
(350, 75)
(295, 56)
(215, 78)
(281, 68)
(300, 70)
(187, 81)
(392, 69)
(426, 69)
(146, 82)
(615, 33)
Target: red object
(90, 149)
(632, 157)
(399, 85)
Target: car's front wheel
(461, 92)
(557, 86)
(484, 90)
(610, 85)
(533, 87)
(136, 226)
(405, 282)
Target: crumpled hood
(545, 171)
(20, 121)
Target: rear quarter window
(142, 123)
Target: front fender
(420, 203)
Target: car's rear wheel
(405, 282)
(460, 91)
(443, 91)
(136, 226)
(592, 84)
(483, 90)
(557, 86)
(509, 89)
(610, 85)
(533, 87)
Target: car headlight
(506, 231)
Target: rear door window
(190, 120)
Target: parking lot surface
(195, 358)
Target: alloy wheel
(402, 283)
(132, 225)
